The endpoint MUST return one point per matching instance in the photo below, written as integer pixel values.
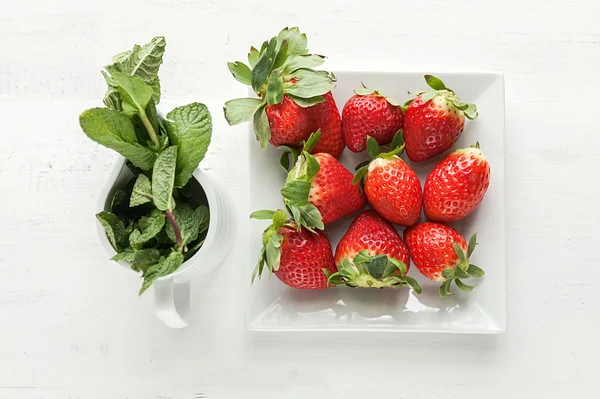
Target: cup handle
(172, 302)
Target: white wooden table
(71, 324)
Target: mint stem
(150, 129)
(173, 222)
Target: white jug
(172, 292)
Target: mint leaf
(142, 61)
(127, 255)
(310, 84)
(134, 92)
(240, 72)
(115, 231)
(142, 259)
(203, 215)
(150, 226)
(162, 268)
(241, 109)
(163, 179)
(188, 221)
(119, 205)
(100, 122)
(145, 62)
(190, 129)
(114, 130)
(142, 191)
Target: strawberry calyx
(270, 254)
(365, 91)
(367, 271)
(281, 67)
(462, 270)
(438, 88)
(297, 186)
(395, 149)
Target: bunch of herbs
(151, 222)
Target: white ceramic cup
(172, 292)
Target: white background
(71, 324)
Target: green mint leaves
(163, 179)
(152, 224)
(189, 128)
(142, 191)
(115, 130)
(143, 62)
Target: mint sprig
(155, 222)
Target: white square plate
(272, 306)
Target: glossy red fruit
(456, 186)
(304, 255)
(393, 190)
(292, 124)
(319, 189)
(332, 191)
(370, 232)
(369, 113)
(295, 255)
(326, 117)
(372, 255)
(288, 123)
(434, 120)
(441, 254)
(294, 100)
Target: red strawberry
(391, 186)
(294, 100)
(456, 185)
(296, 256)
(319, 189)
(372, 254)
(326, 117)
(441, 254)
(434, 120)
(369, 113)
(288, 122)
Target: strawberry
(293, 101)
(391, 186)
(441, 254)
(295, 255)
(369, 113)
(456, 185)
(434, 120)
(319, 189)
(372, 254)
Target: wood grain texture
(71, 323)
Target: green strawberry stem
(297, 186)
(438, 88)
(463, 270)
(270, 254)
(367, 271)
(396, 148)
